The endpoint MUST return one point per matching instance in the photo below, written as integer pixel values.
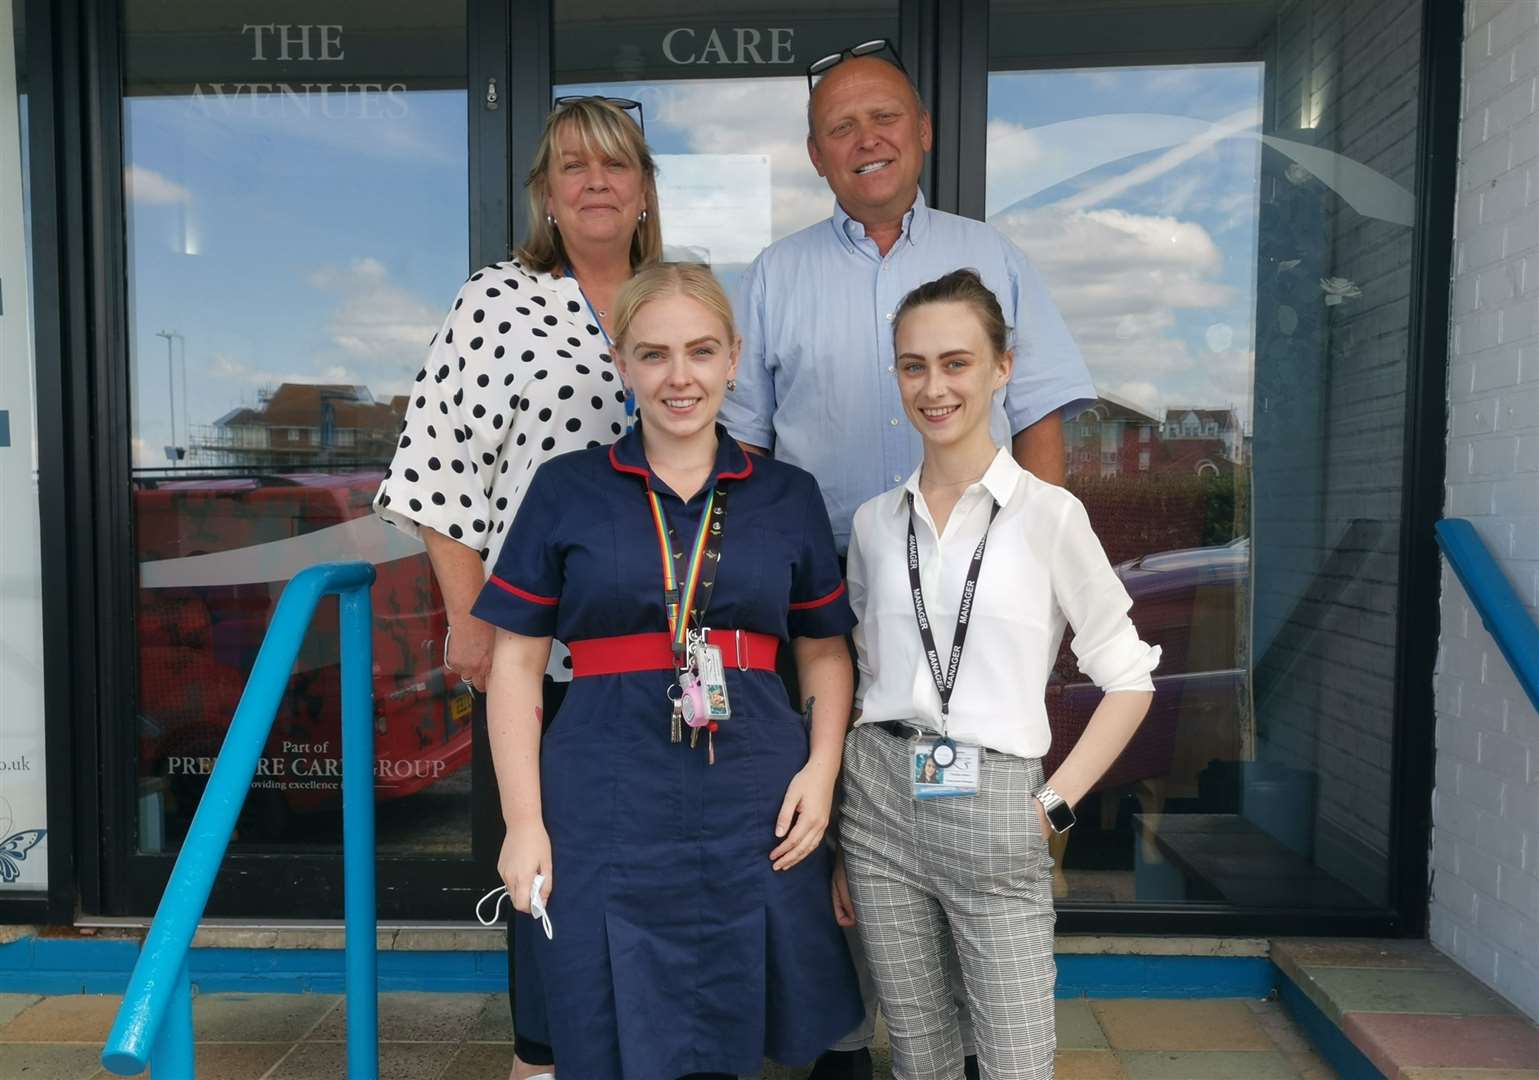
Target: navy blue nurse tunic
(677, 948)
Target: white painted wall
(1485, 853)
(23, 806)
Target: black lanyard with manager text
(945, 682)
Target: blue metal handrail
(1494, 598)
(154, 1024)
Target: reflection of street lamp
(174, 452)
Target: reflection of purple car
(1193, 604)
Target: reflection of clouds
(381, 328)
(150, 188)
(1124, 283)
(1196, 145)
(1025, 161)
(752, 116)
(375, 335)
(424, 126)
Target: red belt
(740, 649)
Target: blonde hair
(602, 128)
(672, 279)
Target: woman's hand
(844, 908)
(803, 816)
(469, 654)
(1042, 822)
(525, 853)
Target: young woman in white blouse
(963, 579)
(520, 372)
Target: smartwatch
(1060, 816)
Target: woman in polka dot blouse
(519, 372)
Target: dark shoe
(842, 1065)
(970, 1066)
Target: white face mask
(536, 906)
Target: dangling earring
(641, 218)
(550, 221)
(731, 385)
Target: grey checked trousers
(972, 870)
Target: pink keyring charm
(693, 704)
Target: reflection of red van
(1192, 603)
(198, 639)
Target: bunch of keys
(700, 695)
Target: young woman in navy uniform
(678, 801)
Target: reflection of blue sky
(282, 245)
(1148, 245)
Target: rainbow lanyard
(681, 602)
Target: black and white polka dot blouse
(518, 373)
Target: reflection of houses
(302, 423)
(1207, 424)
(1194, 456)
(1110, 438)
(1114, 438)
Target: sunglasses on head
(866, 48)
(624, 104)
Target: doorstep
(455, 958)
(1403, 1011)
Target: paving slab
(480, 1061)
(1469, 1074)
(44, 1062)
(68, 1018)
(1396, 1041)
(1077, 1026)
(397, 1061)
(1286, 1035)
(1358, 953)
(494, 1024)
(12, 1005)
(413, 1017)
(1202, 1024)
(229, 1061)
(1387, 990)
(1088, 1065)
(1208, 1065)
(256, 1018)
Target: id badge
(713, 681)
(935, 781)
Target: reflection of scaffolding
(301, 424)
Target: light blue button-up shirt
(816, 380)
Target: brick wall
(1485, 852)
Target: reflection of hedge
(1137, 515)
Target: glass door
(297, 219)
(724, 96)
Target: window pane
(724, 95)
(296, 193)
(1230, 242)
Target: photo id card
(932, 781)
(713, 679)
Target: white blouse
(518, 373)
(1043, 567)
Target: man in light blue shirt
(816, 385)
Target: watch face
(1060, 817)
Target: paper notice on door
(716, 207)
